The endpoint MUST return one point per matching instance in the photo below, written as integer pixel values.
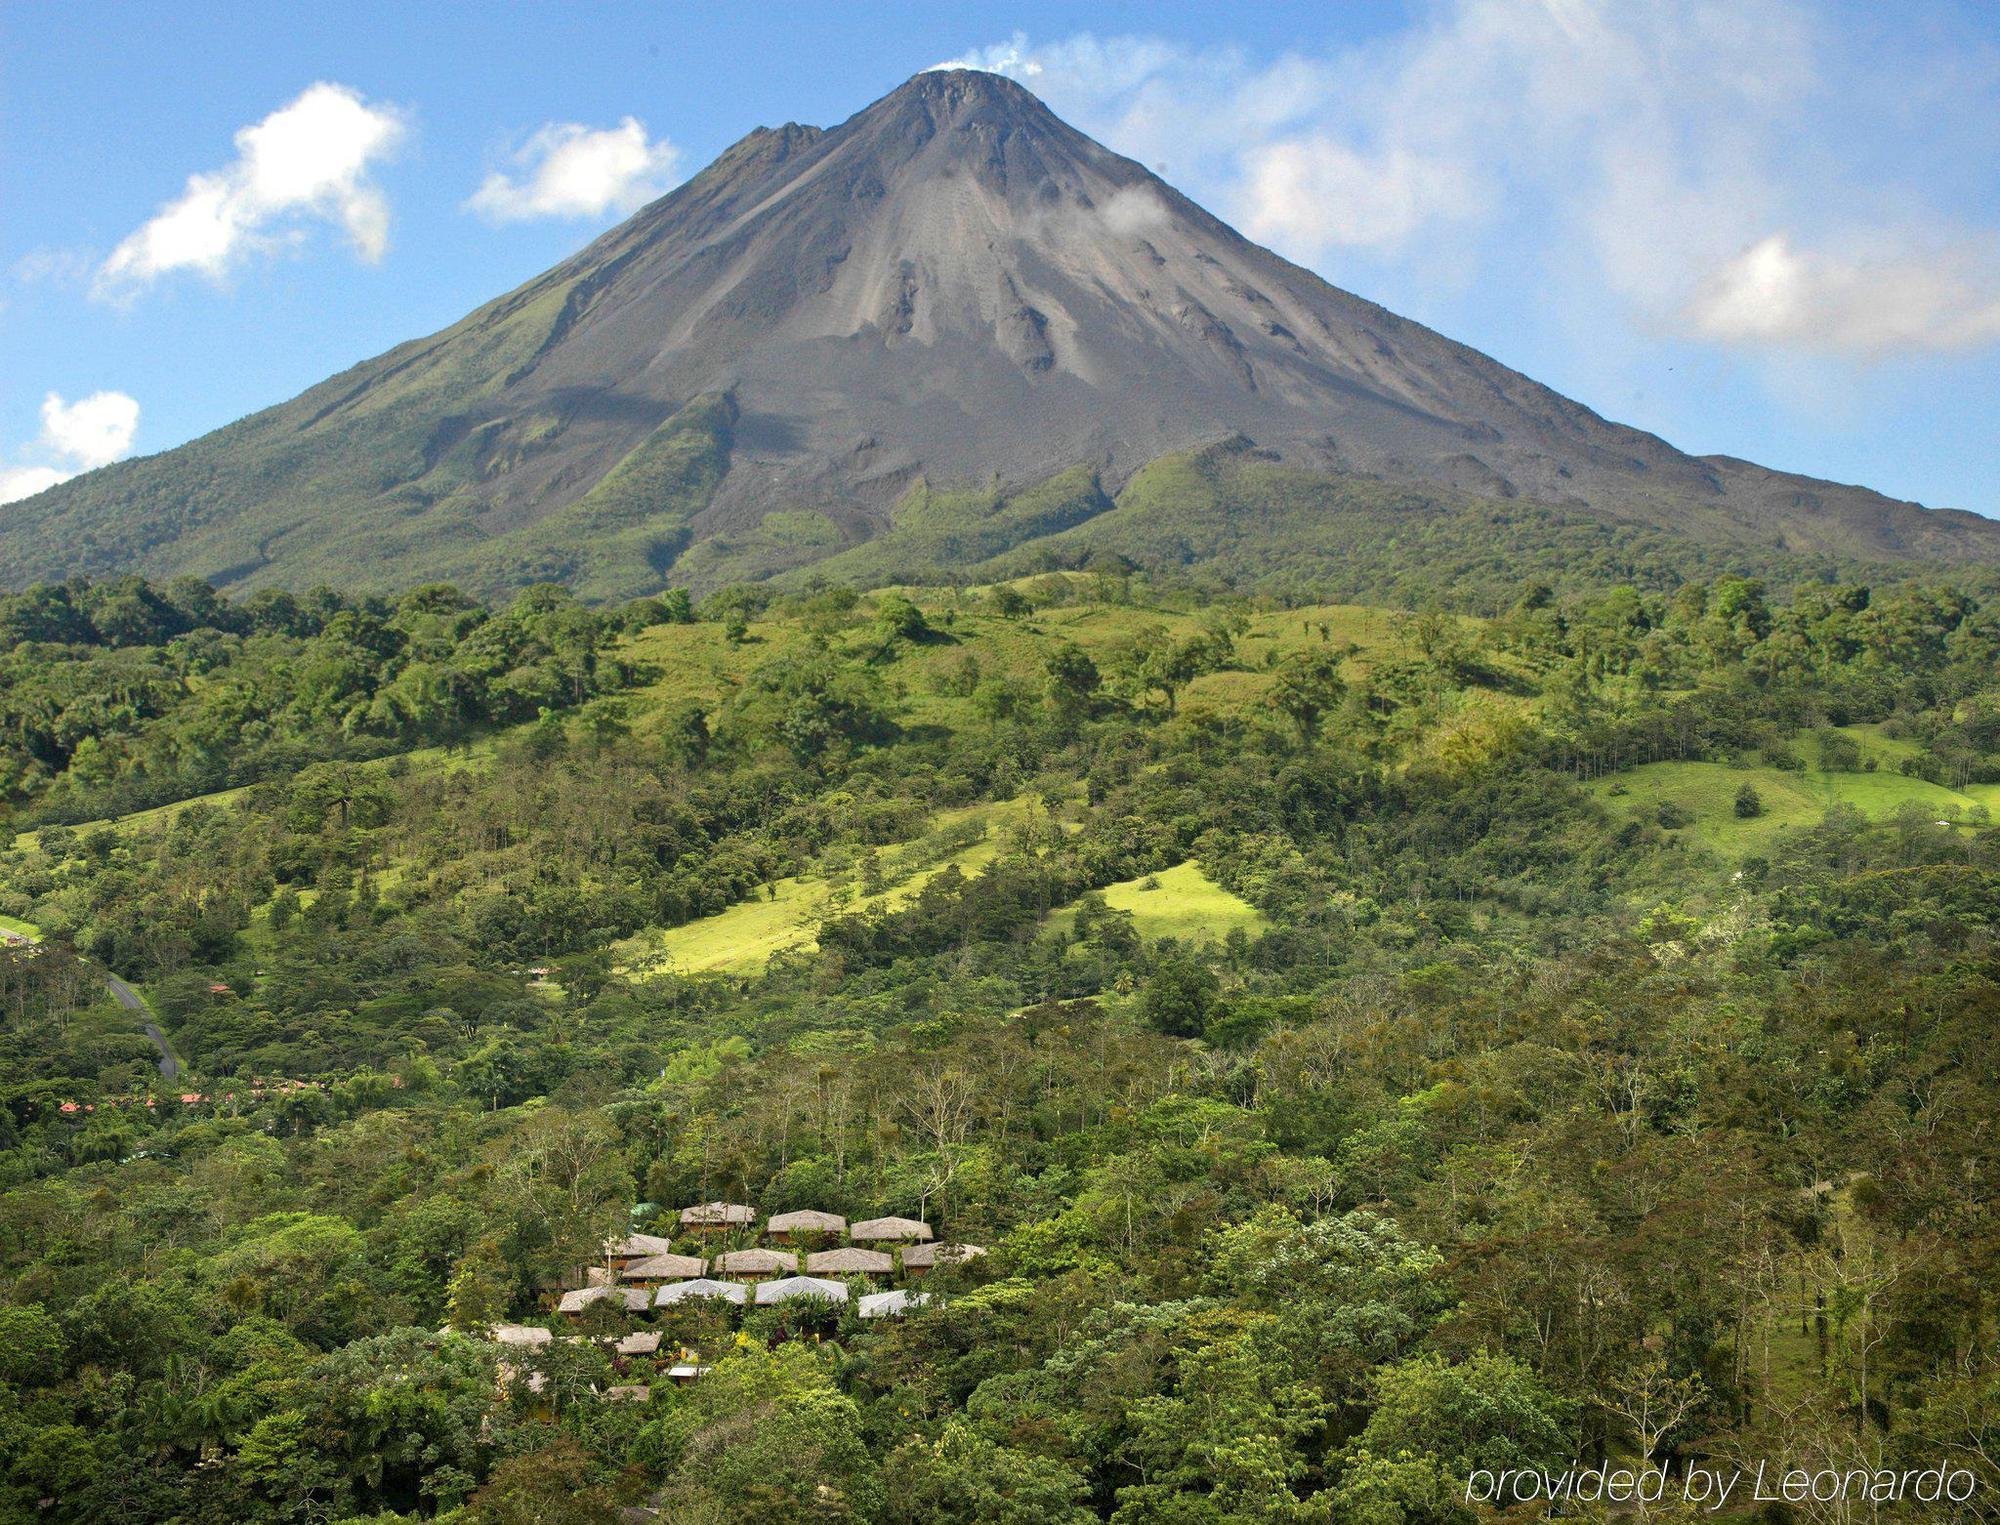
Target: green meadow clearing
(786, 918)
(1790, 799)
(1183, 903)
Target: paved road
(127, 997)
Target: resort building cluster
(721, 1260)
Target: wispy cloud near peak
(569, 170)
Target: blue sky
(1767, 228)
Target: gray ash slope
(954, 286)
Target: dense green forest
(118, 695)
(1373, 1047)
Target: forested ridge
(1369, 1046)
(115, 696)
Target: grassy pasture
(1791, 800)
(786, 918)
(1184, 903)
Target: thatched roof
(733, 1291)
(717, 1214)
(806, 1221)
(522, 1334)
(644, 1343)
(632, 1299)
(755, 1262)
(924, 1256)
(850, 1262)
(889, 1228)
(789, 1287)
(664, 1268)
(890, 1304)
(632, 1246)
(626, 1392)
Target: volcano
(828, 332)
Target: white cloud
(1772, 293)
(308, 161)
(1135, 211)
(1014, 59)
(569, 170)
(93, 431)
(56, 267)
(1639, 147)
(17, 482)
(1312, 195)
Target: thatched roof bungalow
(783, 1227)
(517, 1343)
(889, 1231)
(890, 1304)
(754, 1265)
(919, 1258)
(681, 1291)
(789, 1287)
(617, 1252)
(632, 1299)
(850, 1262)
(522, 1336)
(717, 1217)
(645, 1343)
(655, 1269)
